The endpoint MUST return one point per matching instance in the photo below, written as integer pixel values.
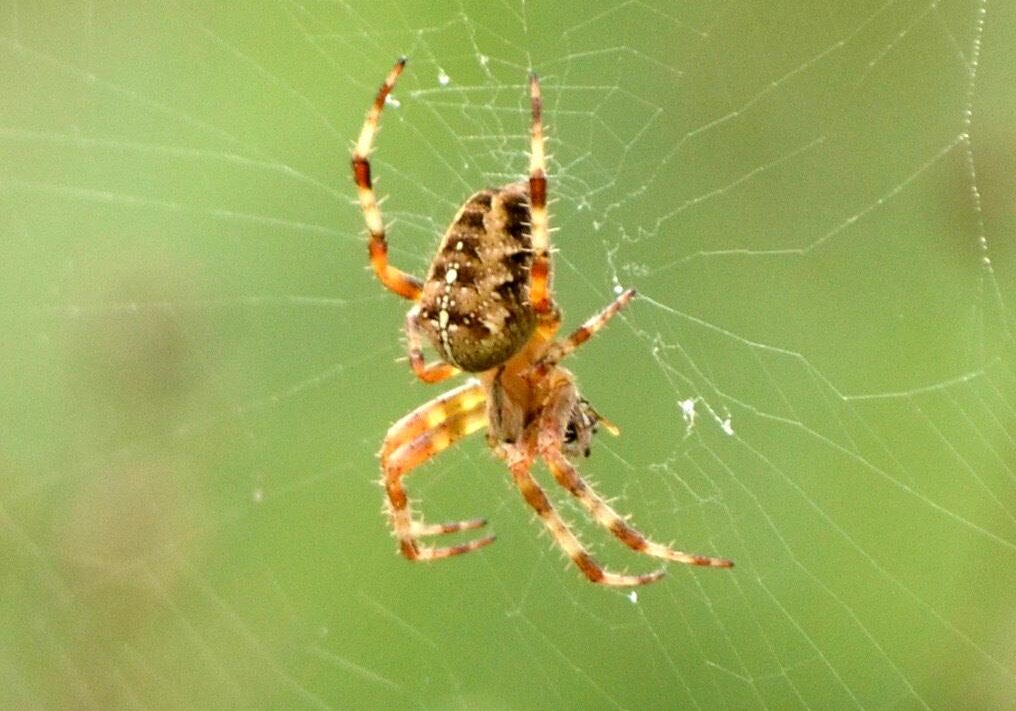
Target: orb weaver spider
(486, 307)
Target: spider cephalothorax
(486, 308)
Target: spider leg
(562, 349)
(403, 284)
(539, 283)
(427, 372)
(412, 441)
(568, 477)
(551, 436)
(467, 396)
(563, 535)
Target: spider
(486, 307)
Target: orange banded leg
(539, 280)
(427, 372)
(467, 396)
(396, 280)
(565, 538)
(568, 477)
(411, 454)
(562, 349)
(560, 404)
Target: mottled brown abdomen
(475, 306)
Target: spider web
(814, 201)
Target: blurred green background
(816, 202)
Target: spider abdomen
(475, 306)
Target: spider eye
(571, 433)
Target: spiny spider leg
(464, 397)
(563, 535)
(560, 403)
(568, 477)
(408, 452)
(539, 284)
(403, 284)
(562, 349)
